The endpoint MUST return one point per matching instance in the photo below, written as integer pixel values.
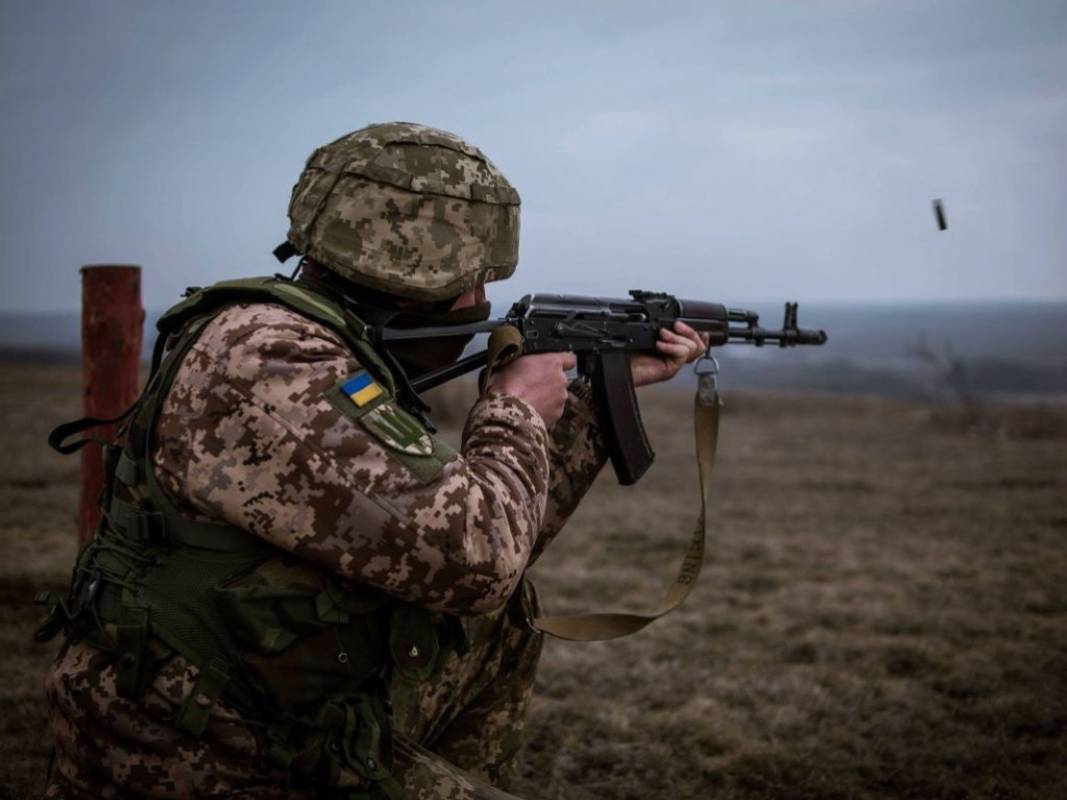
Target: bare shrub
(961, 410)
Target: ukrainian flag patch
(361, 389)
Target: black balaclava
(419, 356)
(416, 356)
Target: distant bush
(962, 387)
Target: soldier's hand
(539, 380)
(676, 349)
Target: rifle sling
(602, 626)
(599, 627)
(505, 345)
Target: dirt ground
(883, 613)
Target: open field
(883, 614)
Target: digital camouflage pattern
(471, 712)
(253, 434)
(461, 729)
(577, 452)
(406, 209)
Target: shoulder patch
(370, 405)
(362, 389)
(358, 395)
(398, 429)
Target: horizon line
(867, 301)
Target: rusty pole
(112, 319)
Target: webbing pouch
(134, 669)
(359, 741)
(127, 470)
(414, 647)
(303, 632)
(196, 710)
(282, 600)
(413, 642)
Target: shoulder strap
(299, 297)
(209, 300)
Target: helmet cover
(408, 210)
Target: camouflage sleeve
(248, 434)
(577, 453)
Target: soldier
(298, 590)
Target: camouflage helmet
(406, 209)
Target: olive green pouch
(303, 632)
(413, 642)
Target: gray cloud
(744, 152)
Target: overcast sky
(735, 151)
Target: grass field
(883, 613)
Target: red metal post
(112, 320)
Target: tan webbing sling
(706, 404)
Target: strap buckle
(150, 527)
(707, 365)
(196, 709)
(707, 372)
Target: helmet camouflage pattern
(406, 209)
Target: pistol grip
(620, 417)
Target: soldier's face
(473, 297)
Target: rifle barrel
(783, 338)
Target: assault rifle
(602, 332)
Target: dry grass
(38, 499)
(883, 615)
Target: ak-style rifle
(602, 333)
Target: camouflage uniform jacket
(248, 435)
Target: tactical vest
(304, 656)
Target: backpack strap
(63, 432)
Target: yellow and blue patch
(361, 389)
